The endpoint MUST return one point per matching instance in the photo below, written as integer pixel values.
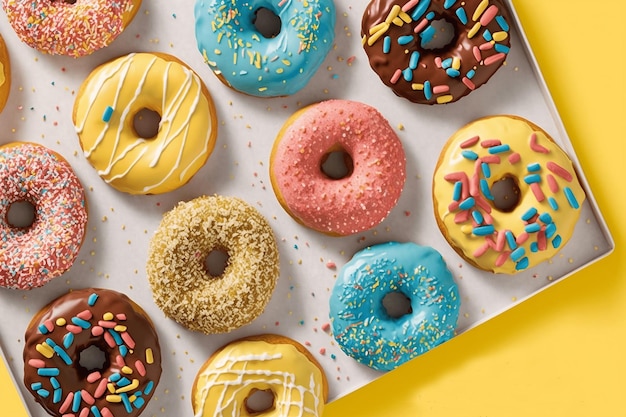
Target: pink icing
(341, 206)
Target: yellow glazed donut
(5, 74)
(104, 116)
(181, 284)
(506, 196)
(271, 363)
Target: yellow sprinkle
(108, 316)
(500, 36)
(286, 62)
(363, 40)
(444, 99)
(395, 11)
(279, 70)
(114, 398)
(132, 398)
(467, 229)
(372, 40)
(474, 30)
(127, 370)
(61, 322)
(111, 387)
(127, 388)
(119, 328)
(456, 63)
(378, 27)
(417, 87)
(405, 17)
(234, 58)
(480, 9)
(149, 356)
(217, 51)
(398, 22)
(45, 350)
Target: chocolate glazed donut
(400, 39)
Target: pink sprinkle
(494, 58)
(470, 142)
(554, 186)
(73, 329)
(127, 338)
(474, 187)
(37, 363)
(481, 250)
(409, 5)
(490, 159)
(461, 217)
(107, 324)
(66, 404)
(514, 158)
(477, 55)
(396, 76)
(97, 331)
(485, 46)
(86, 397)
(536, 189)
(521, 238)
(454, 206)
(281, 3)
(421, 25)
(331, 265)
(468, 83)
(106, 413)
(501, 259)
(322, 351)
(307, 343)
(140, 367)
(119, 360)
(438, 89)
(488, 15)
(102, 387)
(84, 412)
(49, 325)
(542, 242)
(109, 339)
(535, 146)
(438, 62)
(351, 59)
(121, 317)
(93, 377)
(490, 143)
(500, 241)
(326, 327)
(483, 204)
(560, 171)
(488, 218)
(85, 315)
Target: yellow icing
(243, 367)
(187, 130)
(516, 133)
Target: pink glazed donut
(374, 162)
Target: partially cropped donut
(182, 285)
(375, 158)
(398, 39)
(118, 338)
(32, 256)
(275, 364)
(360, 320)
(265, 48)
(5, 74)
(506, 196)
(69, 27)
(104, 116)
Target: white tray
(120, 226)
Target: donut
(374, 157)
(5, 74)
(506, 197)
(275, 364)
(398, 35)
(360, 321)
(110, 100)
(265, 48)
(92, 352)
(182, 285)
(69, 27)
(31, 256)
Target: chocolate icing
(72, 378)
(440, 75)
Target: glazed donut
(5, 74)
(506, 197)
(348, 205)
(69, 27)
(181, 284)
(260, 363)
(360, 322)
(104, 112)
(397, 35)
(265, 48)
(124, 364)
(32, 256)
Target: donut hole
(267, 22)
(337, 164)
(260, 401)
(506, 194)
(397, 304)
(93, 358)
(216, 262)
(146, 123)
(444, 34)
(21, 214)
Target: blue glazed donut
(360, 323)
(250, 60)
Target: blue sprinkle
(517, 254)
(484, 230)
(456, 192)
(501, 48)
(57, 396)
(529, 214)
(43, 393)
(139, 402)
(43, 329)
(428, 91)
(414, 60)
(478, 217)
(386, 44)
(467, 204)
(487, 35)
(533, 167)
(553, 204)
(534, 247)
(471, 155)
(126, 402)
(556, 242)
(68, 339)
(92, 299)
(499, 149)
(116, 337)
(448, 3)
(470, 74)
(430, 16)
(427, 35)
(106, 116)
(50, 342)
(115, 377)
(63, 355)
(522, 264)
(533, 178)
(123, 382)
(546, 218)
(550, 230)
(81, 323)
(446, 63)
(55, 383)
(420, 9)
(451, 72)
(571, 198)
(148, 388)
(510, 239)
(138, 393)
(404, 40)
(48, 372)
(460, 13)
(484, 188)
(76, 402)
(123, 351)
(503, 23)
(486, 170)
(95, 411)
(532, 228)
(35, 386)
(408, 74)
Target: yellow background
(562, 353)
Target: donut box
(120, 225)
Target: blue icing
(259, 66)
(360, 322)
